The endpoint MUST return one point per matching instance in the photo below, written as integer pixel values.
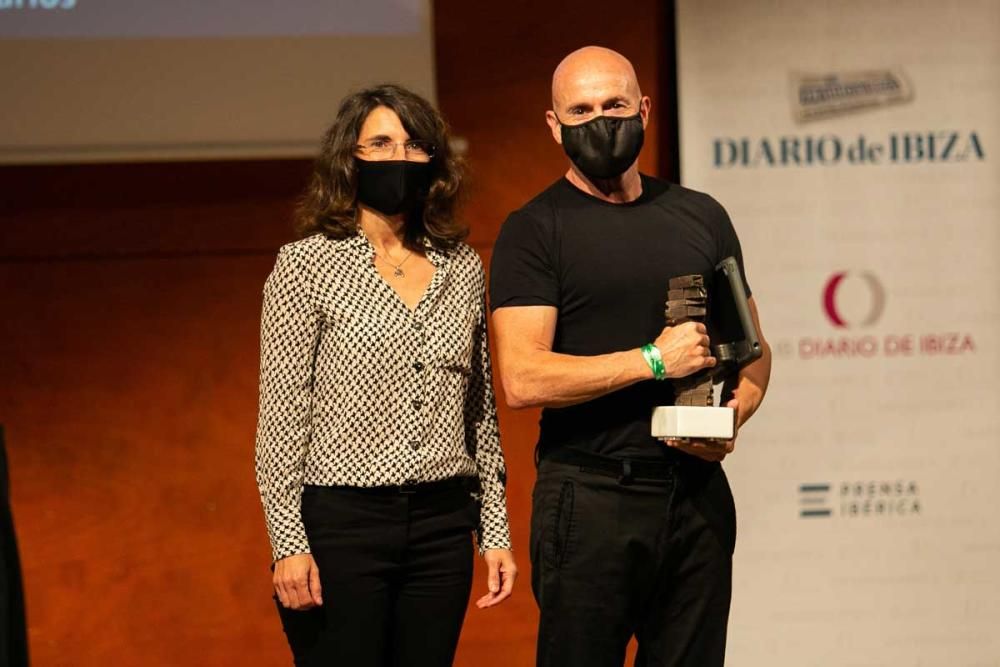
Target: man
(630, 535)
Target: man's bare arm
(534, 376)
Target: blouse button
(417, 403)
(418, 366)
(415, 444)
(418, 325)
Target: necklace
(397, 271)
(396, 268)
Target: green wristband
(654, 360)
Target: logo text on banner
(829, 150)
(859, 499)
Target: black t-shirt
(606, 267)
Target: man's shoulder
(673, 198)
(685, 196)
(540, 208)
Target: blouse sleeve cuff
(494, 527)
(290, 547)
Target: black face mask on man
(392, 187)
(605, 146)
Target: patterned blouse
(357, 390)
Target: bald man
(630, 536)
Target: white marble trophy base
(693, 422)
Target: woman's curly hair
(329, 205)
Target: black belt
(623, 469)
(451, 484)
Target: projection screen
(112, 80)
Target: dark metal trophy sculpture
(734, 341)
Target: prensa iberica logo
(859, 499)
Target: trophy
(734, 340)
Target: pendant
(398, 272)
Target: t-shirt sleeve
(728, 243)
(522, 269)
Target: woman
(378, 452)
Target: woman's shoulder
(306, 258)
(308, 246)
(467, 259)
(465, 254)
(316, 253)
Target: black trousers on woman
(396, 569)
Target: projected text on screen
(26, 19)
(37, 4)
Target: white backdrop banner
(856, 145)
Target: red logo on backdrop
(876, 306)
(861, 305)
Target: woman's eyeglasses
(383, 149)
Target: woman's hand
(296, 581)
(500, 580)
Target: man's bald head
(590, 83)
(591, 73)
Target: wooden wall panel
(494, 86)
(129, 407)
(131, 297)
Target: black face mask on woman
(604, 147)
(392, 187)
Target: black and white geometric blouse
(357, 390)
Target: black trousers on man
(396, 570)
(620, 550)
